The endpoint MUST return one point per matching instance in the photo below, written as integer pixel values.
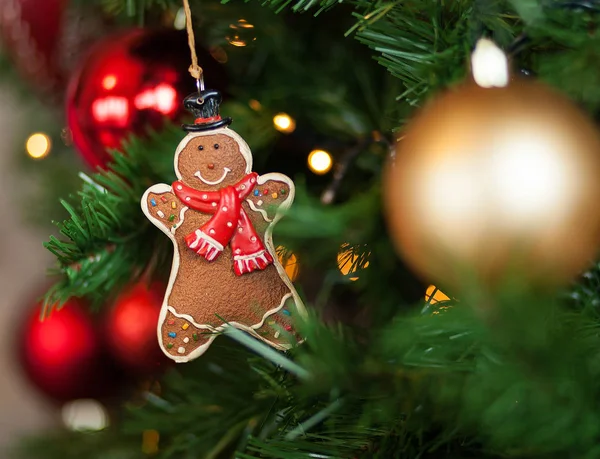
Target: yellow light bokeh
(284, 123)
(320, 161)
(38, 145)
(434, 295)
(289, 262)
(347, 261)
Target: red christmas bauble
(129, 82)
(62, 354)
(130, 328)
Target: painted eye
(200, 147)
(216, 146)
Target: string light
(347, 261)
(237, 39)
(150, 439)
(179, 22)
(489, 65)
(320, 161)
(284, 123)
(434, 295)
(289, 262)
(84, 415)
(38, 145)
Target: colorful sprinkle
(163, 199)
(286, 312)
(259, 202)
(173, 205)
(277, 334)
(288, 327)
(271, 322)
(169, 346)
(171, 217)
(274, 195)
(185, 326)
(282, 191)
(265, 191)
(161, 214)
(174, 226)
(153, 202)
(171, 321)
(181, 350)
(172, 334)
(186, 340)
(195, 336)
(256, 193)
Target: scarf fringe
(204, 245)
(248, 263)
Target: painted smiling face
(211, 162)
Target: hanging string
(194, 69)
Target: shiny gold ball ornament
(496, 182)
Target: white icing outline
(268, 240)
(263, 212)
(226, 171)
(221, 328)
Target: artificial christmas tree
(511, 370)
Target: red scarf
(228, 225)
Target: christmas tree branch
(106, 241)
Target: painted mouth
(226, 171)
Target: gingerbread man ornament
(220, 216)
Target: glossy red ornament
(130, 328)
(62, 354)
(129, 82)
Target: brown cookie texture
(209, 290)
(165, 207)
(269, 196)
(180, 337)
(217, 152)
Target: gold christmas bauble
(496, 182)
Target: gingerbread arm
(163, 208)
(273, 194)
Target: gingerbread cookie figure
(220, 216)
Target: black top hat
(205, 107)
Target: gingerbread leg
(182, 340)
(278, 328)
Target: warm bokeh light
(239, 37)
(179, 21)
(320, 162)
(150, 439)
(255, 105)
(434, 295)
(347, 261)
(84, 415)
(289, 262)
(284, 123)
(38, 145)
(109, 82)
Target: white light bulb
(489, 65)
